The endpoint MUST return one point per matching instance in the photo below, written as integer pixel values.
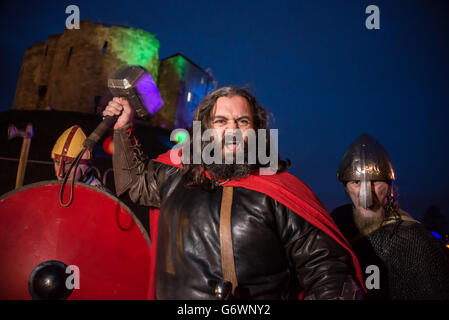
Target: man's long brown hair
(194, 173)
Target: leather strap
(227, 251)
(68, 141)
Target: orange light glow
(108, 146)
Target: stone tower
(69, 71)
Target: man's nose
(231, 125)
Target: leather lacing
(139, 158)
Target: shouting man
(225, 230)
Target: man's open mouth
(232, 146)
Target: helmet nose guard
(365, 194)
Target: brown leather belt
(227, 251)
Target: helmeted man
(225, 230)
(64, 152)
(408, 261)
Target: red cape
(282, 187)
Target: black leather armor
(277, 253)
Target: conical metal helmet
(366, 160)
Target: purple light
(149, 93)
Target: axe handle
(23, 161)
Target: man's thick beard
(230, 171)
(367, 224)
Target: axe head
(138, 87)
(14, 132)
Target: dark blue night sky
(313, 64)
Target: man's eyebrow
(239, 118)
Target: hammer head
(138, 87)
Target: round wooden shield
(93, 249)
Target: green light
(180, 65)
(138, 47)
(181, 136)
